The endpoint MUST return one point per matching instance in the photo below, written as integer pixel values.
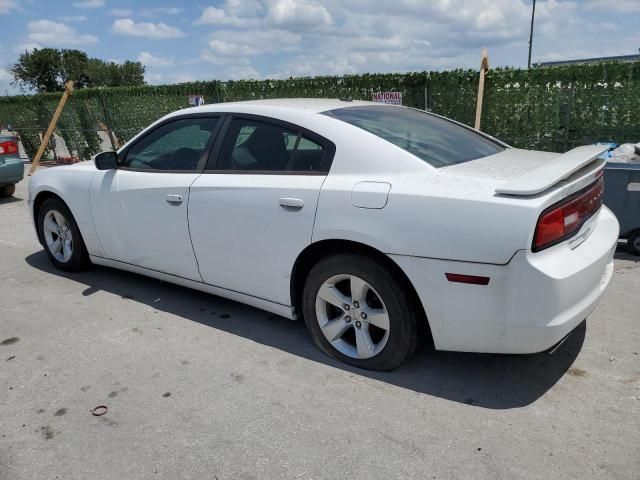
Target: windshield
(435, 140)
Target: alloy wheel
(58, 236)
(352, 316)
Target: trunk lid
(582, 160)
(527, 173)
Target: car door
(140, 208)
(252, 210)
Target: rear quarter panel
(428, 214)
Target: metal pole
(533, 14)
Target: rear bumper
(11, 171)
(529, 305)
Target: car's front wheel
(61, 237)
(358, 312)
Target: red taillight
(9, 147)
(564, 219)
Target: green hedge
(543, 108)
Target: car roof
(308, 105)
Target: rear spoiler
(546, 176)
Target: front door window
(174, 146)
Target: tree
(46, 69)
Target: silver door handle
(296, 203)
(173, 198)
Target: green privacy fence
(551, 109)
(95, 119)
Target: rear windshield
(435, 140)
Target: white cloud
(218, 16)
(148, 12)
(26, 47)
(157, 78)
(55, 34)
(121, 12)
(231, 68)
(235, 13)
(6, 88)
(626, 6)
(243, 8)
(7, 6)
(212, 15)
(150, 60)
(239, 72)
(73, 18)
(168, 10)
(367, 36)
(237, 43)
(126, 26)
(184, 77)
(225, 48)
(89, 4)
(322, 64)
(298, 15)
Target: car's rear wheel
(7, 190)
(61, 237)
(633, 243)
(357, 312)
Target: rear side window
(434, 140)
(253, 145)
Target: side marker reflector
(471, 279)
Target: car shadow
(6, 200)
(622, 253)
(483, 380)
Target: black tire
(404, 332)
(633, 243)
(79, 258)
(7, 190)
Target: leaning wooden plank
(68, 88)
(484, 68)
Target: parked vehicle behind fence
(11, 166)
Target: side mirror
(106, 161)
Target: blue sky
(232, 39)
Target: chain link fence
(552, 109)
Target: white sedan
(379, 225)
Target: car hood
(86, 165)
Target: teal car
(11, 166)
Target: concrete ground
(203, 388)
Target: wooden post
(68, 88)
(484, 68)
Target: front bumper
(11, 171)
(529, 305)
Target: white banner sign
(394, 98)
